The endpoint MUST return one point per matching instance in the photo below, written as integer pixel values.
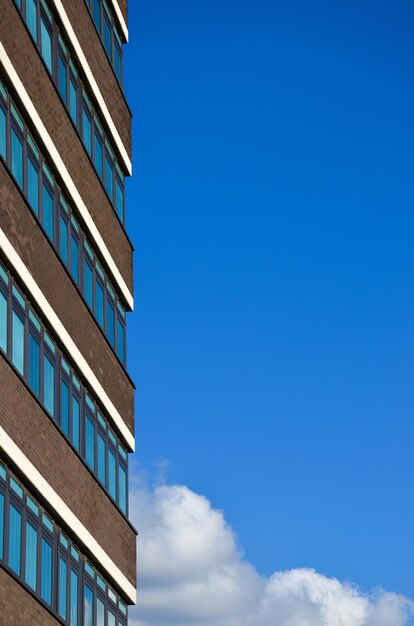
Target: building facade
(67, 547)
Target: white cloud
(192, 572)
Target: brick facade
(18, 607)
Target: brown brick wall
(38, 438)
(37, 82)
(91, 44)
(18, 607)
(26, 236)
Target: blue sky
(271, 210)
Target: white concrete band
(120, 18)
(65, 338)
(93, 84)
(64, 512)
(63, 172)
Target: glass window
(122, 489)
(3, 322)
(34, 365)
(88, 607)
(99, 304)
(107, 37)
(17, 158)
(15, 539)
(75, 423)
(88, 283)
(90, 443)
(97, 14)
(33, 186)
(62, 78)
(46, 572)
(101, 459)
(46, 41)
(64, 407)
(1, 525)
(119, 200)
(110, 322)
(74, 259)
(108, 177)
(48, 385)
(62, 587)
(31, 17)
(31, 556)
(73, 104)
(98, 156)
(111, 619)
(2, 133)
(100, 613)
(73, 598)
(117, 62)
(86, 132)
(18, 343)
(63, 240)
(111, 474)
(47, 212)
(120, 341)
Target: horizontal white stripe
(65, 338)
(121, 19)
(93, 84)
(66, 177)
(64, 512)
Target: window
(46, 44)
(34, 365)
(98, 155)
(75, 423)
(18, 343)
(63, 240)
(17, 158)
(122, 489)
(62, 587)
(99, 304)
(107, 37)
(73, 103)
(121, 341)
(119, 200)
(15, 539)
(31, 18)
(110, 322)
(108, 178)
(101, 459)
(111, 475)
(48, 212)
(74, 259)
(97, 14)
(86, 131)
(62, 78)
(90, 443)
(73, 598)
(117, 62)
(111, 619)
(64, 407)
(46, 572)
(1, 525)
(2, 133)
(88, 283)
(3, 322)
(31, 556)
(48, 385)
(100, 613)
(33, 186)
(88, 607)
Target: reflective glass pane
(86, 132)
(119, 200)
(46, 42)
(96, 12)
(99, 304)
(111, 474)
(48, 212)
(1, 525)
(101, 459)
(100, 613)
(117, 62)
(15, 539)
(87, 283)
(111, 619)
(74, 259)
(46, 572)
(64, 407)
(62, 78)
(110, 322)
(17, 158)
(98, 156)
(2, 133)
(31, 556)
(73, 101)
(62, 587)
(3, 322)
(75, 423)
(109, 177)
(18, 343)
(88, 607)
(120, 340)
(33, 186)
(63, 240)
(73, 599)
(31, 17)
(34, 365)
(90, 443)
(122, 489)
(48, 385)
(107, 37)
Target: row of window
(46, 561)
(60, 63)
(106, 26)
(36, 357)
(44, 196)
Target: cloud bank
(192, 572)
